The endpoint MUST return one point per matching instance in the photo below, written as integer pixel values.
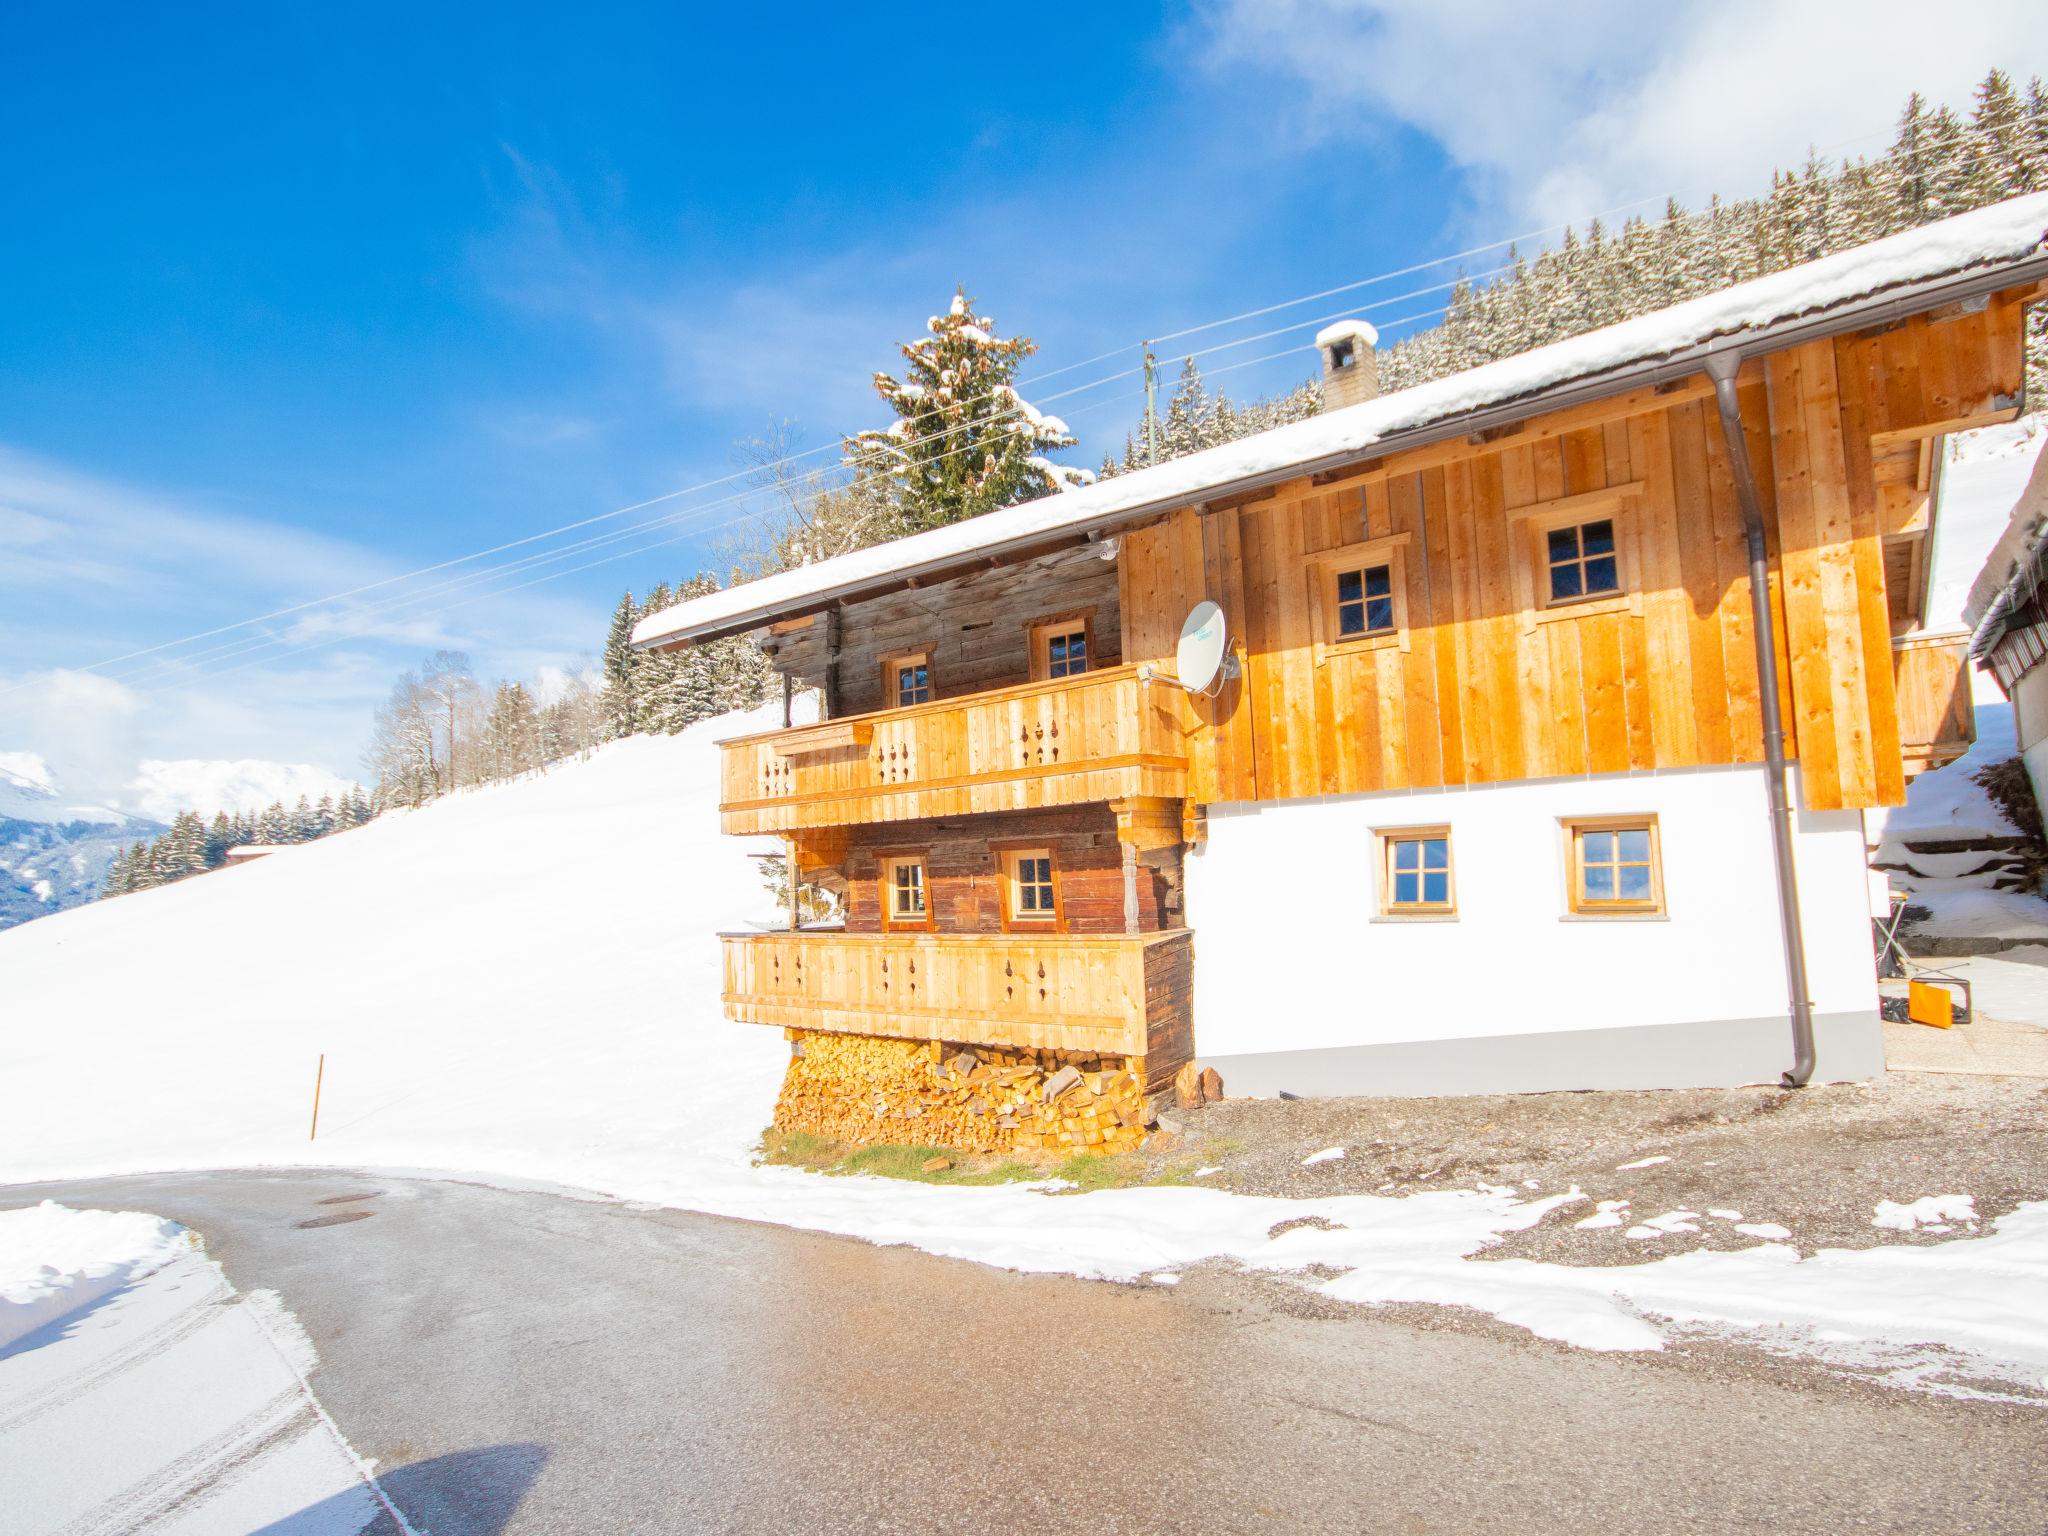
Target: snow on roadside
(176, 1405)
(54, 1260)
(522, 983)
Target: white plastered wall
(2030, 726)
(1289, 954)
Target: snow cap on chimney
(1351, 370)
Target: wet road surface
(530, 1362)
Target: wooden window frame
(1393, 910)
(1325, 566)
(1576, 904)
(895, 659)
(887, 861)
(1041, 633)
(1530, 529)
(1006, 879)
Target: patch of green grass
(1179, 1171)
(821, 1154)
(1090, 1171)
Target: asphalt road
(527, 1362)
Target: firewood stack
(978, 1098)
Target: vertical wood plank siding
(1482, 694)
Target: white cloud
(65, 529)
(1560, 111)
(160, 788)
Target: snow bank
(2003, 232)
(522, 982)
(54, 1260)
(1949, 803)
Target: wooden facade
(1469, 673)
(1488, 688)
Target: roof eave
(1883, 307)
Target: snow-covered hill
(54, 852)
(499, 981)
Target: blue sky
(299, 300)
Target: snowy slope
(522, 982)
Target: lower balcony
(1123, 995)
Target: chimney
(1351, 370)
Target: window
(904, 898)
(1059, 648)
(1365, 601)
(1582, 561)
(1029, 896)
(1575, 556)
(906, 679)
(1614, 866)
(1417, 876)
(1359, 596)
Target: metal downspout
(1722, 368)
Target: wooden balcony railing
(1108, 994)
(1931, 674)
(1101, 736)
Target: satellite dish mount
(1203, 660)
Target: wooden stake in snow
(318, 1073)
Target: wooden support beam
(1145, 821)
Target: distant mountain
(54, 851)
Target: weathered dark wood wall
(963, 870)
(977, 628)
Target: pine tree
(964, 441)
(220, 837)
(619, 706)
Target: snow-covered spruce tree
(618, 704)
(964, 441)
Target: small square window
(913, 683)
(904, 903)
(1356, 597)
(1614, 867)
(1059, 648)
(1365, 601)
(1582, 561)
(1067, 654)
(1028, 889)
(1417, 874)
(906, 679)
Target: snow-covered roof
(1837, 290)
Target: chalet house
(1552, 698)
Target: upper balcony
(1101, 736)
(1937, 722)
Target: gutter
(1722, 368)
(1873, 310)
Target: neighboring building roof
(246, 851)
(1975, 251)
(2012, 571)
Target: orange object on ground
(1929, 1004)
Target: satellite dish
(1204, 642)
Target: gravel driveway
(1815, 1161)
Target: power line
(685, 514)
